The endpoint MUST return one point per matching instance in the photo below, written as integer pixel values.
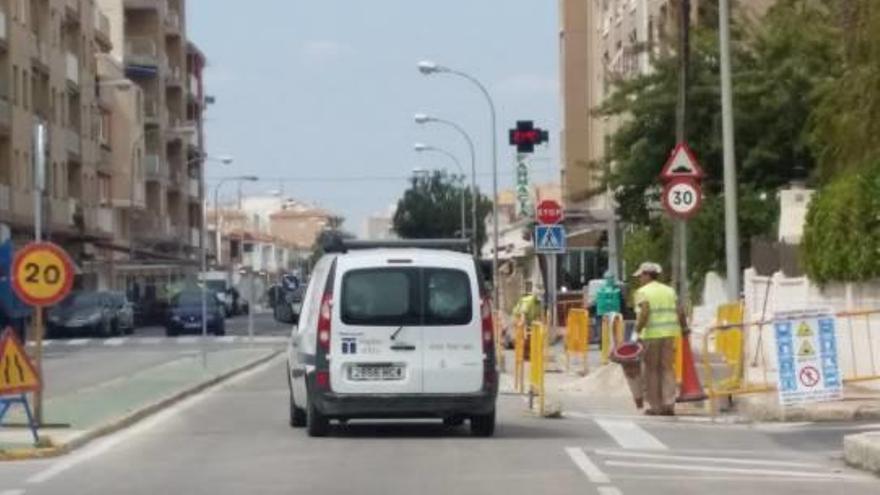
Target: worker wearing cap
(660, 321)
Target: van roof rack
(345, 245)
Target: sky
(318, 96)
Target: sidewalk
(84, 414)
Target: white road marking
(151, 340)
(609, 490)
(629, 435)
(228, 339)
(115, 341)
(78, 342)
(103, 446)
(187, 340)
(724, 460)
(730, 470)
(12, 492)
(583, 462)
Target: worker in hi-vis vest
(660, 320)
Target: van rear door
(376, 338)
(451, 331)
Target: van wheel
(318, 424)
(483, 425)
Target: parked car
(185, 314)
(84, 313)
(411, 336)
(124, 311)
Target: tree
(778, 64)
(431, 209)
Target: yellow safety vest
(663, 314)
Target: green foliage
(778, 64)
(842, 235)
(431, 209)
(645, 243)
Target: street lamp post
(429, 68)
(421, 148)
(421, 118)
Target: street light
(421, 118)
(422, 148)
(427, 68)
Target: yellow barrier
(499, 341)
(577, 337)
(519, 352)
(612, 335)
(536, 366)
(853, 329)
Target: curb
(863, 451)
(130, 418)
(771, 412)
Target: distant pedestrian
(660, 320)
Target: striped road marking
(629, 435)
(116, 341)
(583, 462)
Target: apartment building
(48, 75)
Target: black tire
(170, 332)
(104, 329)
(318, 424)
(129, 330)
(220, 330)
(116, 330)
(453, 421)
(483, 425)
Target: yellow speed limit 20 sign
(42, 274)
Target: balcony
(73, 142)
(195, 237)
(5, 115)
(153, 167)
(102, 30)
(193, 88)
(104, 220)
(2, 26)
(172, 22)
(23, 204)
(193, 188)
(62, 211)
(142, 51)
(41, 52)
(151, 111)
(173, 76)
(72, 68)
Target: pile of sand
(606, 381)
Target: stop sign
(549, 212)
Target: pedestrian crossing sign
(550, 239)
(17, 373)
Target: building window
(15, 85)
(24, 89)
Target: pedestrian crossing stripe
(806, 349)
(804, 330)
(17, 373)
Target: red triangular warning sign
(681, 163)
(17, 373)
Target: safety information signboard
(550, 239)
(806, 349)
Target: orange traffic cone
(691, 390)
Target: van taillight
(324, 322)
(488, 325)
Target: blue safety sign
(806, 350)
(550, 239)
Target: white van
(394, 330)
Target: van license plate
(375, 373)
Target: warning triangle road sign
(805, 330)
(17, 373)
(682, 163)
(806, 349)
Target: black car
(185, 314)
(84, 313)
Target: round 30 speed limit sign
(682, 197)
(42, 274)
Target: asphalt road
(235, 439)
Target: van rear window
(406, 296)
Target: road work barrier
(499, 340)
(733, 349)
(538, 341)
(577, 338)
(519, 353)
(613, 328)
